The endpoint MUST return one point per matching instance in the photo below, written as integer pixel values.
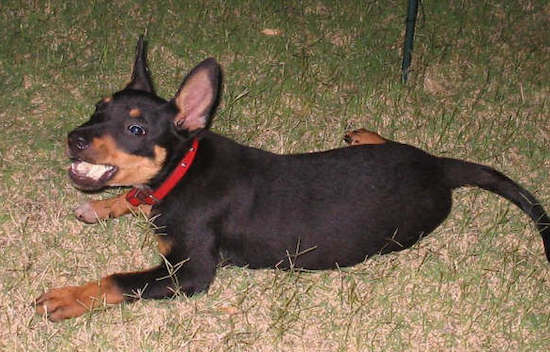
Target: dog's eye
(137, 130)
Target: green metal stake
(409, 38)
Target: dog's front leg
(178, 274)
(72, 301)
(94, 210)
(159, 282)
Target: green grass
(478, 90)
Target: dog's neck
(151, 196)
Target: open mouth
(90, 177)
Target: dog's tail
(462, 173)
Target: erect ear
(141, 79)
(198, 96)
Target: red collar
(139, 196)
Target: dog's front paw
(94, 210)
(89, 214)
(63, 303)
(72, 301)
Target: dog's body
(243, 206)
(262, 209)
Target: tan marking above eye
(132, 169)
(107, 99)
(135, 112)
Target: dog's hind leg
(363, 136)
(94, 210)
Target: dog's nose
(78, 143)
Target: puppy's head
(133, 133)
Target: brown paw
(62, 303)
(72, 301)
(85, 212)
(94, 210)
(363, 136)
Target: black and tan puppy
(215, 200)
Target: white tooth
(83, 167)
(97, 171)
(94, 171)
